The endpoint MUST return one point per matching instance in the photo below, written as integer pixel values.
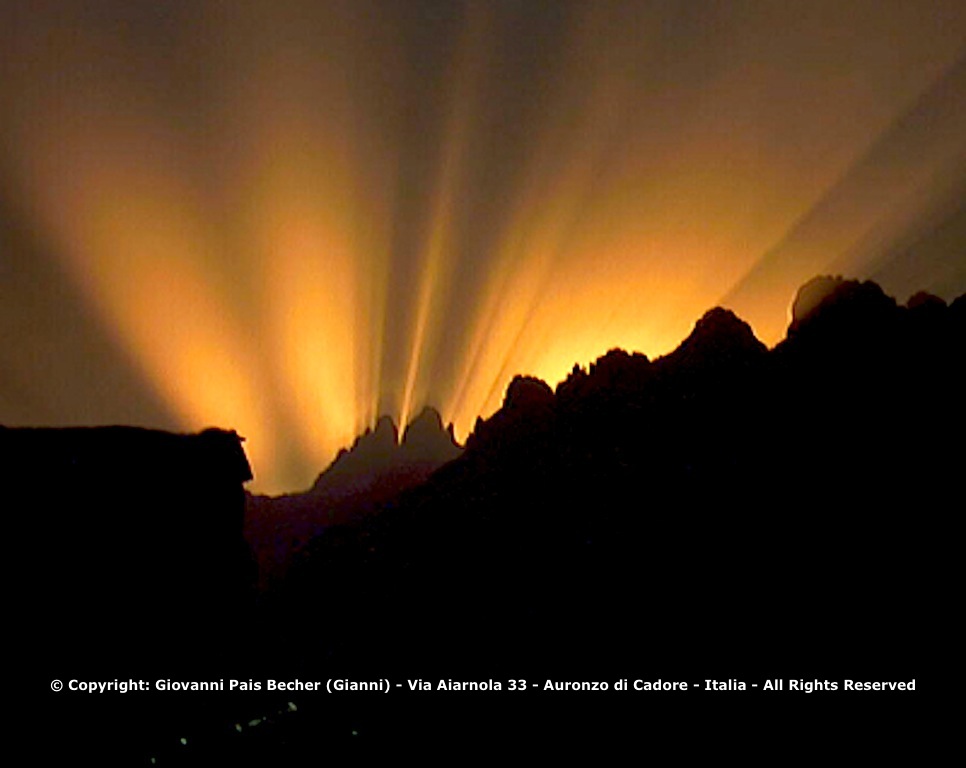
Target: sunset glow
(291, 217)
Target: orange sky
(288, 218)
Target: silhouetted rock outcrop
(719, 338)
(425, 441)
(372, 452)
(524, 424)
(141, 531)
(425, 445)
(130, 564)
(359, 481)
(841, 313)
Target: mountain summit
(378, 452)
(378, 467)
(720, 337)
(426, 440)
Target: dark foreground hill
(127, 562)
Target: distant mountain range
(724, 511)
(721, 415)
(377, 467)
(726, 487)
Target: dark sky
(288, 217)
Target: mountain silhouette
(129, 563)
(723, 511)
(719, 338)
(372, 453)
(721, 485)
(426, 441)
(425, 445)
(377, 468)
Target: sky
(290, 217)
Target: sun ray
(291, 217)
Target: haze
(287, 218)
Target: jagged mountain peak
(526, 392)
(375, 444)
(719, 336)
(379, 449)
(378, 467)
(837, 304)
(385, 434)
(428, 422)
(425, 439)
